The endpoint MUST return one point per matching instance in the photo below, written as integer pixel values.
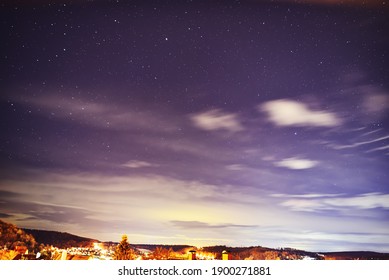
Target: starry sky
(198, 122)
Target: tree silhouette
(124, 251)
(12, 236)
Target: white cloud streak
(320, 203)
(308, 195)
(379, 149)
(296, 163)
(285, 112)
(217, 120)
(138, 164)
(235, 167)
(340, 147)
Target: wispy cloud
(217, 120)
(338, 202)
(197, 224)
(146, 203)
(285, 112)
(4, 215)
(296, 163)
(68, 193)
(371, 132)
(235, 167)
(357, 144)
(379, 149)
(138, 164)
(99, 114)
(363, 201)
(307, 195)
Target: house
(192, 255)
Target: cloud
(307, 195)
(98, 114)
(106, 206)
(150, 197)
(8, 195)
(296, 163)
(363, 201)
(371, 132)
(376, 103)
(217, 120)
(137, 164)
(321, 203)
(235, 167)
(357, 144)
(367, 103)
(379, 149)
(284, 112)
(4, 215)
(27, 210)
(202, 225)
(180, 211)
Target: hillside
(262, 253)
(152, 247)
(353, 255)
(60, 239)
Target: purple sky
(198, 122)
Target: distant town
(28, 244)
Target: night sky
(197, 122)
